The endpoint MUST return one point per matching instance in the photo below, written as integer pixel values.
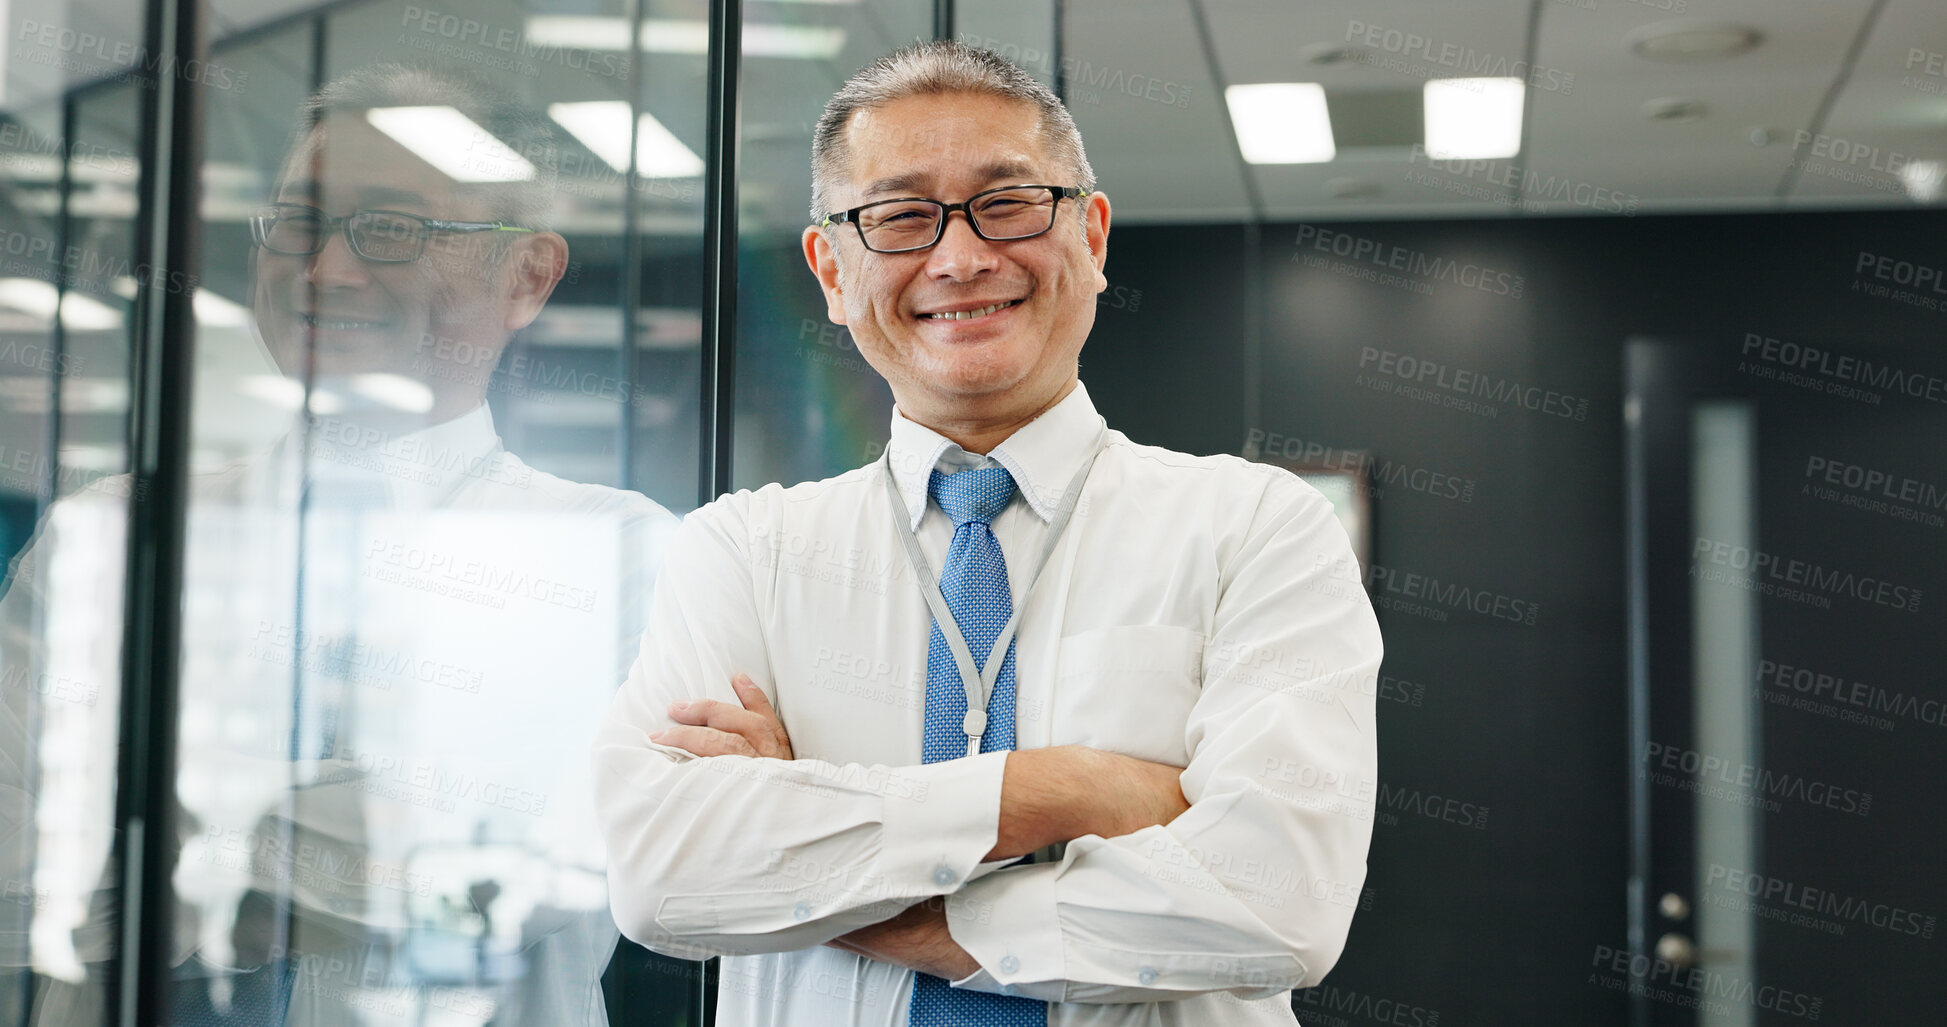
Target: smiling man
(1026, 722)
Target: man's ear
(823, 260)
(1095, 227)
(535, 265)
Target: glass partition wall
(1630, 421)
(446, 348)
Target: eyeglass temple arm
(473, 226)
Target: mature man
(398, 635)
(1152, 805)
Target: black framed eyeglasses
(379, 236)
(1006, 214)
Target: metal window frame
(162, 359)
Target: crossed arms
(1047, 796)
(1239, 872)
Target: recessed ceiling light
(683, 36)
(1682, 42)
(215, 310)
(1675, 109)
(1281, 122)
(78, 310)
(275, 389)
(451, 142)
(1473, 118)
(1923, 179)
(603, 127)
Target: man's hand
(706, 727)
(916, 938)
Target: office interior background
(1613, 325)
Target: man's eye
(393, 228)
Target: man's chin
(344, 354)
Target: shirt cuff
(1008, 922)
(941, 820)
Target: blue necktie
(974, 584)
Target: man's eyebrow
(1012, 172)
(371, 195)
(388, 194)
(895, 184)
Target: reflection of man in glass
(398, 635)
(374, 263)
(1179, 737)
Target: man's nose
(961, 253)
(335, 266)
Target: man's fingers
(720, 715)
(703, 741)
(754, 701)
(760, 729)
(752, 696)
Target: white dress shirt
(466, 619)
(1199, 611)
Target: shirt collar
(416, 470)
(1042, 455)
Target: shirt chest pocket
(1128, 689)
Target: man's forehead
(301, 186)
(927, 140)
(344, 158)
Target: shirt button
(943, 877)
(1009, 964)
(1146, 977)
(802, 911)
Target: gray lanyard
(980, 682)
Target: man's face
(1010, 362)
(365, 318)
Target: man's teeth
(338, 323)
(968, 315)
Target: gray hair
(929, 69)
(527, 202)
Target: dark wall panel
(1479, 367)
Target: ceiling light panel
(1281, 122)
(451, 142)
(1473, 118)
(603, 127)
(683, 36)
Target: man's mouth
(340, 324)
(968, 315)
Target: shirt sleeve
(730, 855)
(1252, 890)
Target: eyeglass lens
(374, 235)
(912, 224)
